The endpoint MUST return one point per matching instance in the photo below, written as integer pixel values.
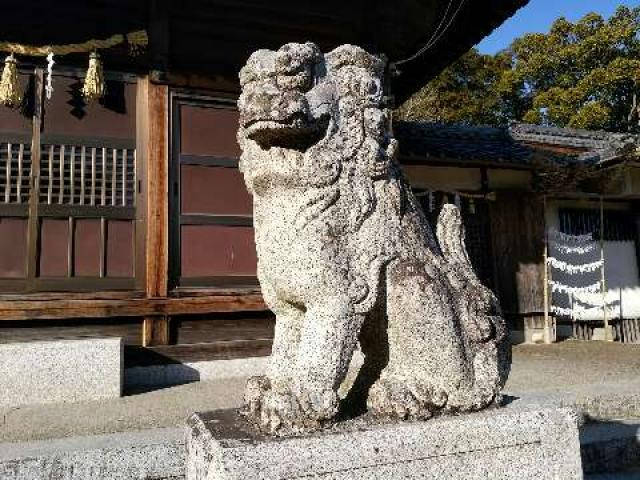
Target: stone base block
(60, 371)
(500, 444)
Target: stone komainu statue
(345, 254)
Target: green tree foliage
(584, 74)
(465, 92)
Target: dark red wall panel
(209, 131)
(214, 190)
(120, 248)
(114, 116)
(54, 237)
(13, 247)
(213, 250)
(86, 258)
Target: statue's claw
(286, 412)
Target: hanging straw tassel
(9, 86)
(94, 86)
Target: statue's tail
(475, 300)
(450, 234)
(478, 307)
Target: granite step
(610, 451)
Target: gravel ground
(570, 364)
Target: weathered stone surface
(152, 454)
(536, 444)
(60, 371)
(345, 253)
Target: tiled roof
(457, 142)
(599, 146)
(516, 145)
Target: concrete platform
(507, 444)
(602, 378)
(60, 371)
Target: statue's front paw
(282, 412)
(269, 410)
(317, 406)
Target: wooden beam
(199, 352)
(154, 308)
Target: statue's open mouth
(296, 132)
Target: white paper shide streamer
(49, 85)
(569, 249)
(571, 269)
(562, 288)
(575, 245)
(571, 240)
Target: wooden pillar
(154, 142)
(548, 337)
(603, 281)
(34, 181)
(155, 330)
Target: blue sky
(538, 16)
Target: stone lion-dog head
(307, 119)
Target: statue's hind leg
(427, 352)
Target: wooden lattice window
(88, 175)
(15, 172)
(619, 225)
(67, 207)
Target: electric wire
(437, 34)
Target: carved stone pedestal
(499, 444)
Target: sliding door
(211, 211)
